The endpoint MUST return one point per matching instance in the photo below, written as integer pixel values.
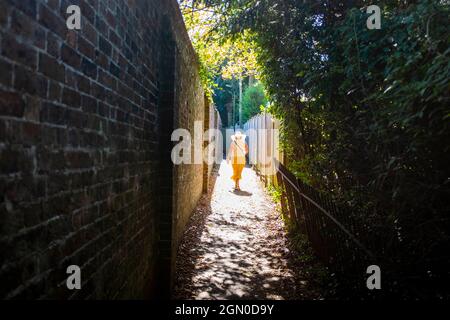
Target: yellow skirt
(237, 171)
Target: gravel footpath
(235, 247)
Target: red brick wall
(81, 132)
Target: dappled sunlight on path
(235, 246)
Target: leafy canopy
(226, 57)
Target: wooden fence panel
(333, 232)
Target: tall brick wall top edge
(179, 28)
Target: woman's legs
(237, 171)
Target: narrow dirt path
(235, 247)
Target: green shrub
(253, 101)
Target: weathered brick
(6, 74)
(53, 45)
(50, 161)
(51, 67)
(104, 46)
(103, 109)
(87, 10)
(32, 108)
(9, 160)
(78, 159)
(110, 18)
(52, 21)
(98, 91)
(101, 25)
(114, 69)
(58, 182)
(71, 98)
(71, 78)
(89, 68)
(59, 203)
(11, 104)
(20, 52)
(106, 79)
(114, 38)
(76, 119)
(83, 84)
(54, 91)
(73, 138)
(4, 16)
(22, 25)
(54, 114)
(30, 82)
(31, 133)
(71, 38)
(86, 48)
(29, 7)
(53, 4)
(40, 37)
(70, 56)
(101, 59)
(90, 33)
(88, 104)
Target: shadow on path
(235, 246)
(242, 193)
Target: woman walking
(236, 154)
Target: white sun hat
(238, 135)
